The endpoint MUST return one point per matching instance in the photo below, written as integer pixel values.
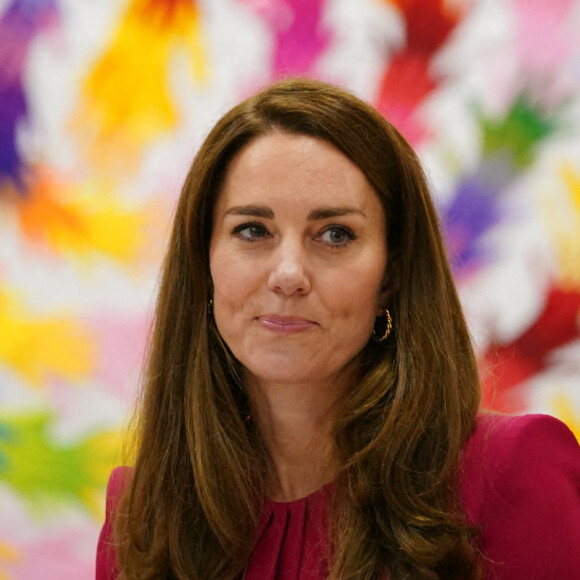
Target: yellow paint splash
(126, 98)
(570, 239)
(41, 347)
(10, 555)
(105, 449)
(572, 181)
(564, 410)
(562, 214)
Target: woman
(310, 405)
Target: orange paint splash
(82, 220)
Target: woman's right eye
(250, 232)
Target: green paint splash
(44, 471)
(519, 132)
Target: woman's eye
(250, 232)
(337, 236)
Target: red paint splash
(505, 366)
(408, 79)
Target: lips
(285, 324)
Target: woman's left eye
(337, 236)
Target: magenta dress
(520, 481)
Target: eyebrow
(251, 210)
(330, 212)
(315, 214)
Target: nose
(288, 274)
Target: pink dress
(520, 481)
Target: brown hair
(194, 501)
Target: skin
(297, 257)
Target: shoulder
(511, 454)
(503, 444)
(497, 437)
(520, 483)
(106, 559)
(490, 426)
(118, 482)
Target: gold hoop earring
(389, 326)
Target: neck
(296, 422)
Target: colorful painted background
(103, 104)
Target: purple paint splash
(21, 21)
(12, 110)
(473, 211)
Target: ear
(390, 283)
(384, 292)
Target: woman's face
(297, 258)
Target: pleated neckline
(291, 542)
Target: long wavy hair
(193, 504)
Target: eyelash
(237, 232)
(239, 229)
(343, 230)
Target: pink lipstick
(285, 324)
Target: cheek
(364, 304)
(359, 293)
(224, 274)
(233, 286)
(362, 318)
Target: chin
(277, 371)
(279, 375)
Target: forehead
(298, 169)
